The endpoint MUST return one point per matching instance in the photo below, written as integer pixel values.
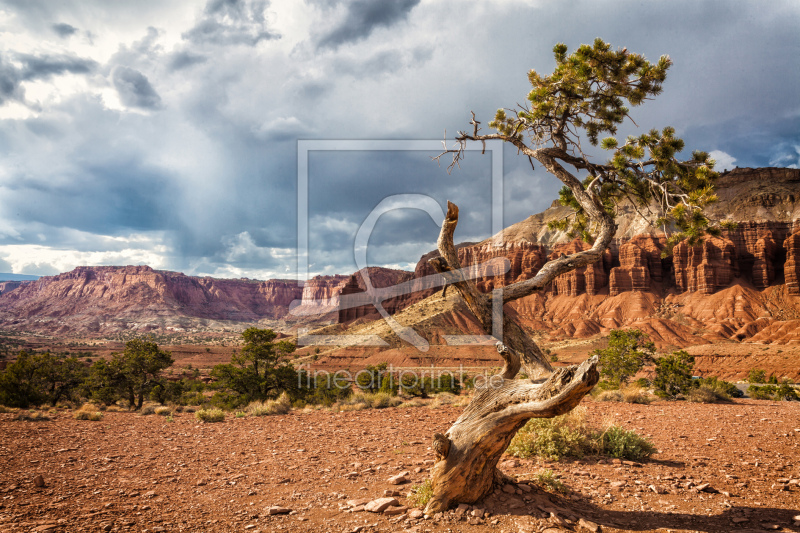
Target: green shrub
(674, 375)
(721, 386)
(786, 392)
(756, 375)
(707, 394)
(210, 415)
(627, 352)
(570, 436)
(420, 495)
(549, 482)
(552, 438)
(767, 392)
(623, 444)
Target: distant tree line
(260, 370)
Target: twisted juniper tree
(583, 99)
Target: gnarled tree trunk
(467, 455)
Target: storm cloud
(134, 89)
(362, 17)
(167, 132)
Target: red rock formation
(589, 279)
(640, 261)
(791, 269)
(705, 267)
(8, 286)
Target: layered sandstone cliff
(105, 299)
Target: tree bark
(467, 455)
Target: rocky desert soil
(721, 468)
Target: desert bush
(552, 438)
(721, 386)
(674, 375)
(706, 394)
(642, 383)
(114, 408)
(32, 416)
(420, 495)
(190, 409)
(163, 411)
(549, 482)
(210, 415)
(569, 435)
(281, 406)
(4, 409)
(786, 392)
(148, 409)
(756, 375)
(767, 392)
(623, 443)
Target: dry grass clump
(88, 411)
(114, 408)
(4, 409)
(281, 406)
(614, 395)
(148, 409)
(210, 415)
(707, 394)
(32, 416)
(627, 394)
(413, 402)
(369, 400)
(163, 411)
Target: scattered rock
(277, 510)
(588, 525)
(416, 514)
(395, 510)
(38, 481)
(379, 505)
(509, 488)
(358, 501)
(399, 479)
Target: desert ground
(720, 468)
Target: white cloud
(724, 161)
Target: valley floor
(143, 473)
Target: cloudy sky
(166, 133)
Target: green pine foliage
(626, 354)
(588, 97)
(674, 375)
